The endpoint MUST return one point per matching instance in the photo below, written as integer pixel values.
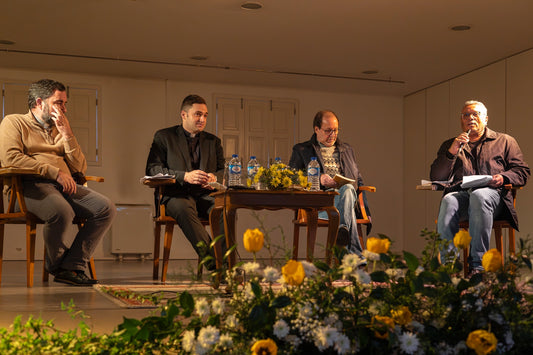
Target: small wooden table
(229, 201)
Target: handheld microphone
(463, 144)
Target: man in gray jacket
(478, 150)
(335, 157)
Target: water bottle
(234, 171)
(313, 174)
(253, 167)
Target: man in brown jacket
(478, 150)
(43, 140)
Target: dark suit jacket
(169, 154)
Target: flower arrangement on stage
(280, 177)
(381, 302)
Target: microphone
(462, 144)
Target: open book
(342, 180)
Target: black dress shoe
(74, 277)
(343, 237)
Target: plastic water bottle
(235, 171)
(253, 167)
(313, 174)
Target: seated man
(43, 140)
(477, 151)
(193, 157)
(335, 157)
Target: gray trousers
(46, 201)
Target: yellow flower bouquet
(280, 177)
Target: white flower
(208, 336)
(417, 326)
(496, 317)
(461, 346)
(325, 337)
(342, 345)
(251, 268)
(396, 273)
(201, 307)
(409, 342)
(187, 341)
(362, 277)
(294, 340)
(281, 329)
(218, 306)
(331, 319)
(444, 349)
(306, 310)
(419, 270)
(479, 305)
(271, 274)
(232, 322)
(509, 340)
(248, 292)
(199, 349)
(309, 268)
(371, 256)
(225, 341)
(455, 281)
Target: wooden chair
(13, 177)
(161, 219)
(300, 220)
(498, 226)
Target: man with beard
(43, 140)
(477, 150)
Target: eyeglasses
(329, 132)
(466, 115)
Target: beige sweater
(25, 144)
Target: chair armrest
(158, 182)
(367, 188)
(10, 171)
(94, 178)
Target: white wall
(432, 115)
(133, 109)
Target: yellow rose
(293, 272)
(402, 316)
(264, 347)
(382, 325)
(462, 239)
(482, 342)
(492, 260)
(377, 245)
(253, 240)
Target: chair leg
(512, 245)
(157, 246)
(499, 240)
(169, 230)
(30, 252)
(1, 250)
(199, 270)
(92, 269)
(45, 272)
(361, 238)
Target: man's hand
(497, 181)
(327, 181)
(61, 122)
(197, 177)
(68, 183)
(459, 141)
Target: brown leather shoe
(343, 237)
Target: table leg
(214, 221)
(333, 228)
(229, 225)
(312, 222)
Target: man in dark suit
(195, 158)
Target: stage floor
(44, 299)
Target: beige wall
(432, 115)
(133, 109)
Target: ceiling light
(460, 28)
(198, 57)
(6, 41)
(251, 5)
(368, 72)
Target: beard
(46, 116)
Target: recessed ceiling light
(6, 41)
(251, 5)
(199, 57)
(460, 28)
(370, 72)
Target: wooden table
(227, 202)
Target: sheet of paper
(475, 181)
